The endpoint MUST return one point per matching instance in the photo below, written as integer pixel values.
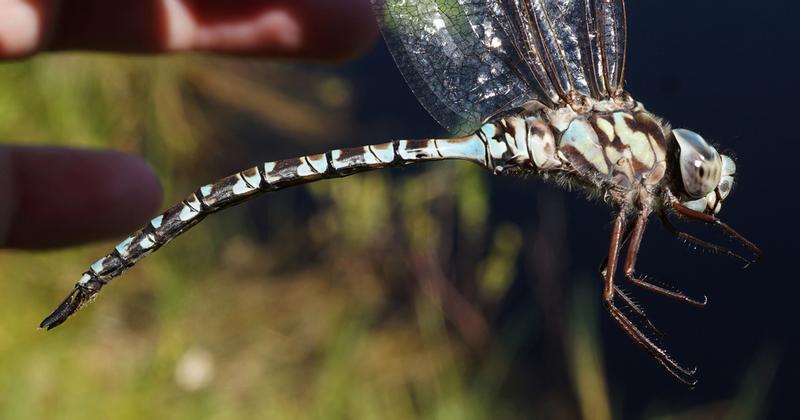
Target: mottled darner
(527, 87)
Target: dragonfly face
(706, 177)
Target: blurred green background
(388, 295)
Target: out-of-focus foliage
(376, 296)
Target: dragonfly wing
(456, 58)
(569, 46)
(611, 24)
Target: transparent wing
(469, 59)
(456, 58)
(569, 46)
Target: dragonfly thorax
(610, 149)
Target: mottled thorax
(622, 149)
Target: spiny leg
(621, 293)
(626, 236)
(636, 308)
(713, 220)
(708, 246)
(679, 372)
(630, 265)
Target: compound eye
(701, 165)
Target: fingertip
(23, 26)
(130, 185)
(319, 29)
(340, 29)
(66, 196)
(316, 29)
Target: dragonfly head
(705, 177)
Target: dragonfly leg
(626, 236)
(630, 265)
(713, 220)
(621, 293)
(679, 372)
(708, 246)
(636, 308)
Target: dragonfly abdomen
(244, 185)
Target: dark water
(729, 71)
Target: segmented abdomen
(271, 176)
(525, 144)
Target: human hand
(53, 197)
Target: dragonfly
(525, 87)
